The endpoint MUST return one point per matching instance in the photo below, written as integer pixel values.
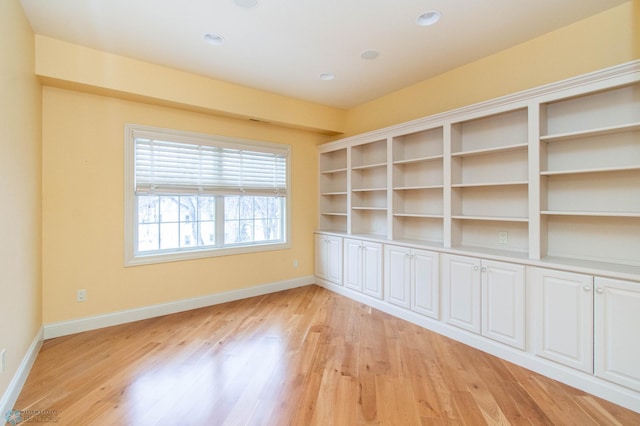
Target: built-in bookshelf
(489, 182)
(369, 188)
(554, 174)
(418, 183)
(590, 176)
(333, 190)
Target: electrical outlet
(503, 237)
(81, 295)
(2, 360)
(295, 263)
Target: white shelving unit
(550, 175)
(418, 184)
(590, 177)
(489, 182)
(333, 190)
(369, 204)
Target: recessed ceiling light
(428, 18)
(213, 39)
(247, 4)
(327, 76)
(370, 54)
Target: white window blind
(217, 168)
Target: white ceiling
(283, 46)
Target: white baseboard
(583, 381)
(64, 328)
(15, 386)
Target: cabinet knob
(586, 288)
(475, 268)
(599, 290)
(484, 269)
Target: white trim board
(64, 328)
(20, 377)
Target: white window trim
(130, 228)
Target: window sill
(131, 260)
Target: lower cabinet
(563, 317)
(485, 297)
(588, 323)
(363, 267)
(412, 279)
(617, 332)
(329, 258)
(461, 288)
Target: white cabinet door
(321, 257)
(372, 269)
(353, 264)
(462, 289)
(485, 297)
(397, 275)
(425, 283)
(329, 258)
(617, 332)
(363, 267)
(503, 302)
(334, 260)
(563, 317)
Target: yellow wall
(83, 211)
(69, 65)
(609, 38)
(20, 273)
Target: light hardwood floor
(304, 356)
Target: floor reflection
(202, 388)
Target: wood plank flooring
(304, 356)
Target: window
(191, 195)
